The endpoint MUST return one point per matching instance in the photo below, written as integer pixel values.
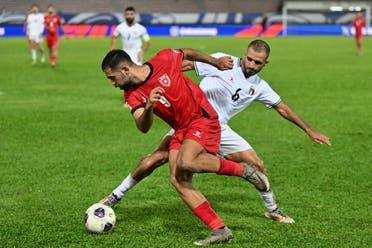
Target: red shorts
(207, 132)
(52, 41)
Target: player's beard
(248, 72)
(129, 21)
(128, 82)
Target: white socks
(269, 200)
(33, 54)
(126, 185)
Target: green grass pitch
(66, 141)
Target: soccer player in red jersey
(52, 22)
(358, 22)
(159, 87)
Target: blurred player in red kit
(52, 22)
(358, 22)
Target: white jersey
(131, 38)
(230, 92)
(35, 24)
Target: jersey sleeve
(134, 102)
(144, 34)
(116, 32)
(268, 96)
(207, 70)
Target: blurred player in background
(52, 23)
(359, 23)
(134, 37)
(34, 27)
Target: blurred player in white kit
(134, 37)
(34, 27)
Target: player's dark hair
(260, 46)
(130, 8)
(35, 5)
(114, 58)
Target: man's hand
(155, 96)
(222, 63)
(225, 63)
(318, 137)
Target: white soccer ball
(99, 218)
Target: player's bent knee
(155, 159)
(176, 183)
(187, 164)
(180, 183)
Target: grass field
(66, 141)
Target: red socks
(53, 58)
(230, 168)
(206, 213)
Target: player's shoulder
(122, 25)
(139, 25)
(165, 54)
(235, 59)
(220, 54)
(170, 51)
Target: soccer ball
(99, 218)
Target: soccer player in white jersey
(229, 92)
(134, 37)
(34, 27)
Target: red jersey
(182, 102)
(358, 23)
(51, 24)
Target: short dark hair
(260, 46)
(35, 5)
(130, 8)
(114, 58)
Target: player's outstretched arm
(222, 63)
(144, 48)
(285, 111)
(187, 65)
(113, 42)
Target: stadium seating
(163, 6)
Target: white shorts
(231, 142)
(37, 38)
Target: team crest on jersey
(165, 80)
(251, 91)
